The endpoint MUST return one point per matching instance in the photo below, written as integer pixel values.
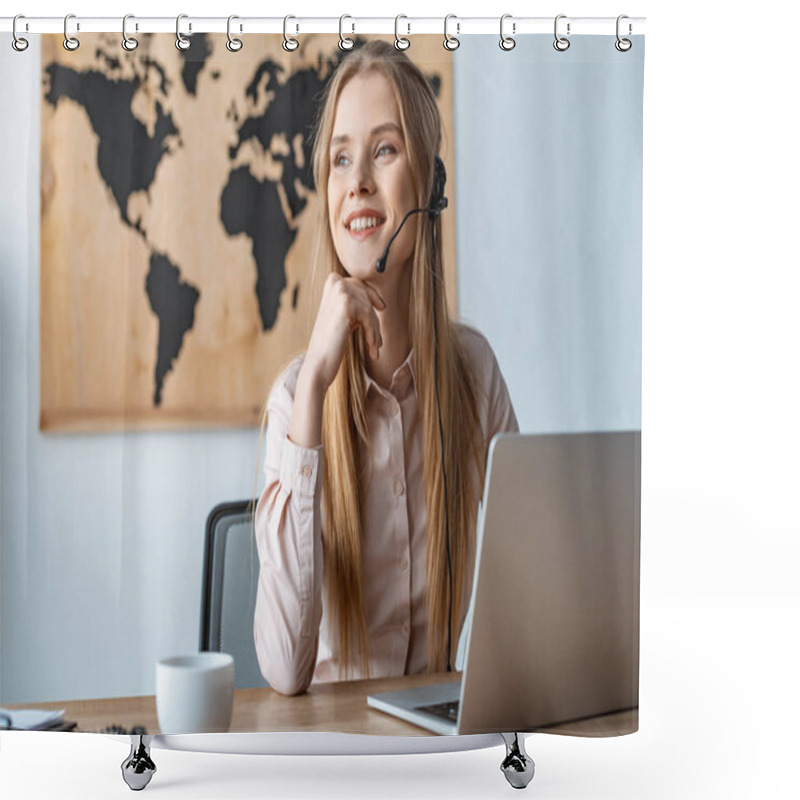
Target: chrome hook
(289, 44)
(623, 45)
(451, 42)
(181, 42)
(233, 44)
(70, 42)
(400, 42)
(128, 42)
(561, 43)
(507, 42)
(18, 43)
(344, 42)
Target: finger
(362, 287)
(372, 329)
(362, 312)
(374, 296)
(369, 322)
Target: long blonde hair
(345, 433)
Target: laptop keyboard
(448, 711)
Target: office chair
(230, 578)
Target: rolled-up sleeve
(289, 541)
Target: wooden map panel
(177, 214)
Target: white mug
(194, 693)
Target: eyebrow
(386, 126)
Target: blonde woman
(359, 539)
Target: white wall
(102, 535)
(549, 196)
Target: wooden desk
(331, 707)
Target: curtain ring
(344, 42)
(233, 44)
(400, 42)
(289, 44)
(623, 45)
(18, 43)
(70, 42)
(507, 42)
(561, 43)
(128, 42)
(181, 42)
(451, 42)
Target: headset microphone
(381, 263)
(436, 205)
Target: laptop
(552, 634)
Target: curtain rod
(457, 26)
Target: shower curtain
(159, 209)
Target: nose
(361, 177)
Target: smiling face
(369, 186)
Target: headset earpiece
(438, 201)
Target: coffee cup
(194, 693)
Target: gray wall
(101, 535)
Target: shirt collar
(403, 380)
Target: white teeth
(362, 223)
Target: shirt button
(404, 564)
(307, 471)
(398, 488)
(405, 628)
(395, 409)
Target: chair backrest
(230, 578)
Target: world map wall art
(177, 218)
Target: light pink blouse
(293, 638)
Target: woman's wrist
(306, 425)
(311, 380)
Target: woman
(351, 527)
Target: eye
(337, 159)
(386, 147)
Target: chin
(362, 268)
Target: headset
(436, 204)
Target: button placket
(392, 418)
